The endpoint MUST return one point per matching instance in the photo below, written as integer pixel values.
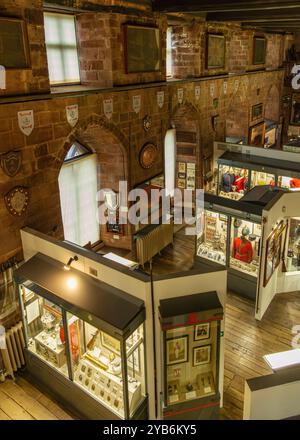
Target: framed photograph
(181, 183)
(295, 113)
(201, 355)
(259, 50)
(215, 51)
(257, 112)
(142, 48)
(202, 331)
(110, 343)
(257, 135)
(177, 350)
(273, 251)
(14, 48)
(181, 167)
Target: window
(169, 52)
(170, 159)
(61, 48)
(78, 191)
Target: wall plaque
(16, 200)
(11, 162)
(148, 155)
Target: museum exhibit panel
(238, 173)
(191, 342)
(90, 356)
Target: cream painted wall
(274, 403)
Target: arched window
(78, 190)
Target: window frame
(62, 83)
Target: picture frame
(14, 45)
(181, 183)
(295, 113)
(257, 112)
(142, 48)
(257, 135)
(202, 331)
(259, 50)
(201, 355)
(177, 350)
(273, 251)
(110, 343)
(215, 51)
(181, 167)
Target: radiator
(150, 244)
(13, 354)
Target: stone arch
(237, 116)
(77, 134)
(272, 106)
(185, 119)
(112, 149)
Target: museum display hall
(149, 210)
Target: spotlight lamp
(68, 265)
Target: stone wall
(34, 79)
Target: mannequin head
(245, 232)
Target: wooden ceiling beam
(256, 16)
(222, 5)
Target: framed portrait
(177, 350)
(257, 135)
(259, 50)
(202, 331)
(215, 51)
(257, 112)
(201, 355)
(110, 343)
(142, 48)
(14, 47)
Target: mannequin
(240, 181)
(242, 247)
(295, 183)
(227, 181)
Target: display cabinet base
(207, 408)
(238, 282)
(242, 284)
(70, 394)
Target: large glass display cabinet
(76, 343)
(191, 331)
(238, 173)
(231, 236)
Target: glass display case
(212, 243)
(74, 337)
(238, 173)
(191, 354)
(245, 245)
(233, 181)
(293, 255)
(231, 241)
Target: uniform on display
(238, 173)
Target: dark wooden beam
(256, 16)
(222, 5)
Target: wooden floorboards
(246, 341)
